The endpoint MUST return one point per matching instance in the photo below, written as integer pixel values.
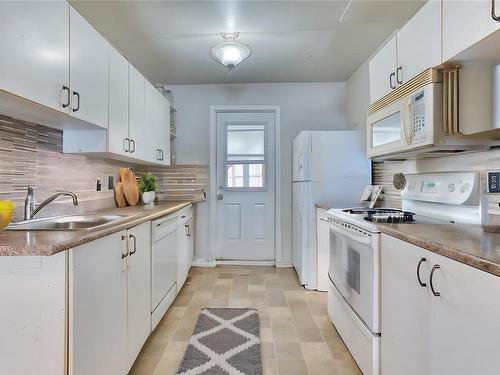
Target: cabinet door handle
(158, 154)
(422, 284)
(78, 102)
(188, 230)
(133, 146)
(434, 268)
(124, 238)
(68, 96)
(135, 244)
(493, 12)
(399, 70)
(162, 156)
(126, 145)
(391, 76)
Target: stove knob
(451, 188)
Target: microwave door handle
(360, 239)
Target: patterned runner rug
(225, 341)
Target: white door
(98, 307)
(419, 48)
(245, 186)
(89, 69)
(138, 289)
(383, 71)
(118, 103)
(35, 44)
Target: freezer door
(300, 227)
(301, 156)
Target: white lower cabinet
(98, 307)
(455, 333)
(184, 251)
(138, 289)
(109, 302)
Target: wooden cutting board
(130, 187)
(121, 201)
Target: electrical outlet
(111, 182)
(493, 181)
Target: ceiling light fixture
(230, 53)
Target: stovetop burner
(382, 215)
(389, 216)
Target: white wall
(358, 99)
(304, 106)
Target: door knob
(220, 197)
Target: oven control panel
(458, 188)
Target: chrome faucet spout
(31, 211)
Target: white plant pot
(148, 197)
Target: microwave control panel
(418, 117)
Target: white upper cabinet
(383, 71)
(419, 42)
(139, 134)
(34, 40)
(118, 127)
(88, 72)
(158, 124)
(466, 23)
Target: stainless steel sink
(70, 222)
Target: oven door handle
(361, 239)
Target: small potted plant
(147, 187)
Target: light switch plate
(493, 181)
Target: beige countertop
(468, 244)
(322, 206)
(35, 243)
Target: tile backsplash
(31, 154)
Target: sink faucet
(30, 209)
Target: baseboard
(284, 264)
(203, 263)
(245, 263)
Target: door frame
(214, 110)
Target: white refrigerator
(329, 167)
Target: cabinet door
(405, 309)
(118, 103)
(465, 321)
(381, 67)
(466, 23)
(35, 43)
(419, 42)
(88, 72)
(139, 289)
(164, 130)
(138, 132)
(184, 252)
(98, 307)
(153, 122)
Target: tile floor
(296, 334)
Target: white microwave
(420, 118)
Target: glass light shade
(230, 53)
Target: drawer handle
(422, 284)
(434, 268)
(183, 216)
(124, 238)
(135, 244)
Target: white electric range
(354, 265)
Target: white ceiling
(291, 41)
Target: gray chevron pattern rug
(225, 341)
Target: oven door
(353, 269)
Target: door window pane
(235, 175)
(246, 156)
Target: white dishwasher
(163, 265)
